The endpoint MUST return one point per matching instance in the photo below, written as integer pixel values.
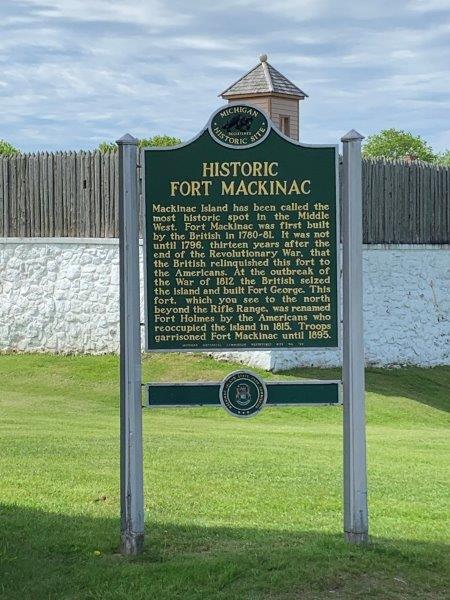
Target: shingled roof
(263, 79)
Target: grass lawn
(235, 509)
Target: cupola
(267, 88)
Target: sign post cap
(351, 136)
(128, 139)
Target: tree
(156, 140)
(7, 149)
(395, 143)
(107, 147)
(443, 158)
(159, 140)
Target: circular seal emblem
(243, 394)
(239, 126)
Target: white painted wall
(62, 295)
(59, 295)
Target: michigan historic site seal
(239, 126)
(243, 394)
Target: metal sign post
(355, 477)
(131, 458)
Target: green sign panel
(279, 393)
(241, 239)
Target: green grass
(235, 509)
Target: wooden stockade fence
(61, 194)
(75, 194)
(405, 203)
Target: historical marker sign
(241, 239)
(241, 252)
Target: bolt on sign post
(241, 245)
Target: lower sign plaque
(243, 394)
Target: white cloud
(74, 72)
(429, 5)
(153, 13)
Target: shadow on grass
(430, 386)
(427, 386)
(46, 555)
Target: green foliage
(394, 143)
(159, 140)
(156, 140)
(107, 147)
(443, 158)
(7, 149)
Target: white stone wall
(59, 296)
(62, 295)
(406, 312)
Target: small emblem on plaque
(239, 126)
(243, 394)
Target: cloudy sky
(76, 72)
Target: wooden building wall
(288, 107)
(261, 102)
(275, 107)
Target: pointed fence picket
(75, 194)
